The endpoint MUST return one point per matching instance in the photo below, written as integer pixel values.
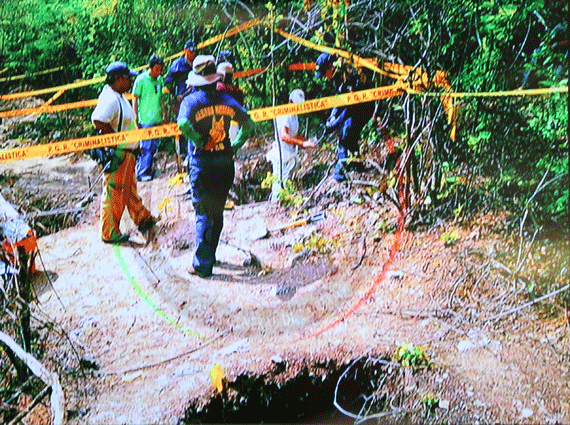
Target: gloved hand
(311, 143)
(246, 129)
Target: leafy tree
(508, 143)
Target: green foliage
(450, 238)
(315, 243)
(430, 402)
(409, 355)
(287, 194)
(509, 143)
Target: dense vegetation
(511, 152)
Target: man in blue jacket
(204, 117)
(178, 72)
(176, 77)
(349, 120)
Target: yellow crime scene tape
(518, 92)
(81, 144)
(23, 95)
(49, 109)
(329, 102)
(22, 76)
(261, 114)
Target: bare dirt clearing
(271, 316)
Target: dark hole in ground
(307, 397)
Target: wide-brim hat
(203, 71)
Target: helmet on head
(297, 96)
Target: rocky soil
(303, 321)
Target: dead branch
(51, 379)
(528, 304)
(30, 406)
(56, 211)
(358, 418)
(317, 187)
(362, 254)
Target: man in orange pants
(114, 113)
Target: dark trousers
(211, 177)
(347, 144)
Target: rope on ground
(161, 362)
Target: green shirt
(149, 92)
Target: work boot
(117, 240)
(195, 272)
(147, 224)
(339, 172)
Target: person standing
(175, 81)
(283, 152)
(204, 118)
(349, 120)
(178, 72)
(114, 113)
(226, 85)
(148, 105)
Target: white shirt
(292, 123)
(108, 111)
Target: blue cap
(324, 61)
(224, 56)
(120, 68)
(190, 45)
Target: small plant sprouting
(286, 194)
(316, 244)
(409, 355)
(430, 402)
(450, 238)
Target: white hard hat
(225, 68)
(297, 96)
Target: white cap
(225, 68)
(297, 96)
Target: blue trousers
(144, 162)
(211, 177)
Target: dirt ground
(136, 338)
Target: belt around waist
(201, 152)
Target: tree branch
(51, 379)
